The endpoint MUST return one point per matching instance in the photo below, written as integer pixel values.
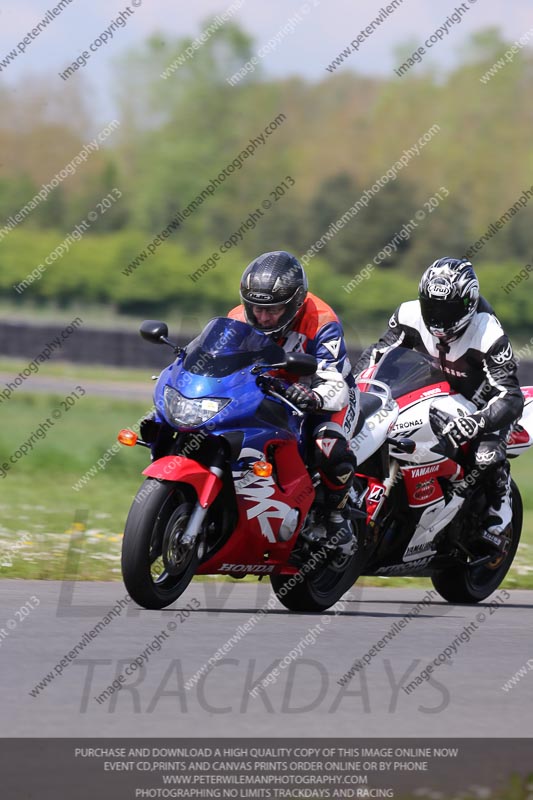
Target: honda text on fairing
(228, 491)
(418, 524)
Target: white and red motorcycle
(417, 525)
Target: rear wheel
(319, 584)
(157, 566)
(464, 584)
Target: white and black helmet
(274, 279)
(449, 295)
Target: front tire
(464, 584)
(156, 571)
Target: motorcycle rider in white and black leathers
(453, 323)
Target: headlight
(191, 411)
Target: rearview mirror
(154, 331)
(300, 364)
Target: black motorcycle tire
(470, 585)
(301, 592)
(156, 504)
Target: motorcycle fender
(185, 470)
(526, 420)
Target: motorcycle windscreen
(228, 345)
(405, 371)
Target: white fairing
(376, 428)
(432, 521)
(413, 423)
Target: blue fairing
(217, 364)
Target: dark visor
(443, 313)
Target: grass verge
(41, 534)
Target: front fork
(199, 511)
(205, 480)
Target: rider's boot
(499, 515)
(335, 464)
(340, 530)
(340, 533)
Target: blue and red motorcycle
(228, 491)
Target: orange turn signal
(262, 468)
(127, 437)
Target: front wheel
(156, 566)
(464, 584)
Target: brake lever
(447, 447)
(269, 382)
(272, 387)
(294, 408)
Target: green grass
(39, 507)
(79, 372)
(37, 495)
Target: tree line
(338, 137)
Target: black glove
(463, 429)
(303, 397)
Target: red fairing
(421, 484)
(263, 505)
(376, 490)
(423, 393)
(518, 437)
(367, 373)
(179, 468)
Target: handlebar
(275, 387)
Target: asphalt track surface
(463, 698)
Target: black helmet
(274, 279)
(449, 296)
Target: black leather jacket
(480, 364)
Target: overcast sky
(324, 31)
